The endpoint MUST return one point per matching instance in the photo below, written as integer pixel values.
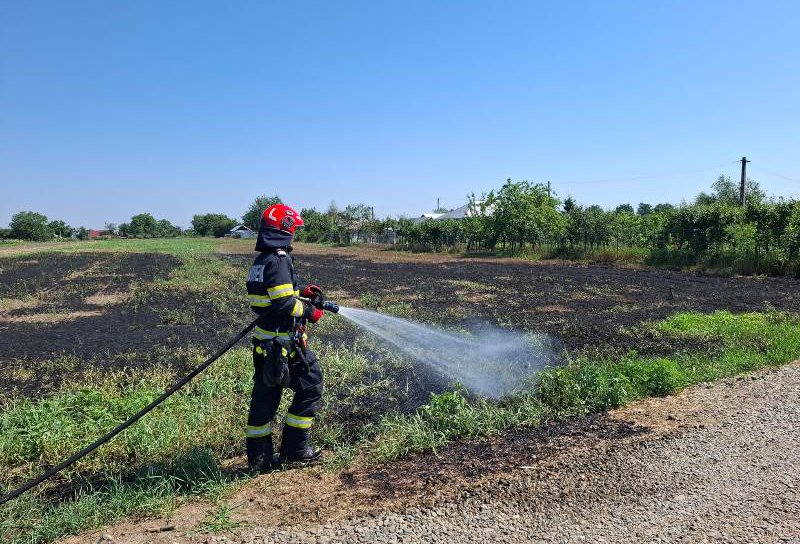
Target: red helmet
(282, 217)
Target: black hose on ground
(130, 421)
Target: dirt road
(713, 464)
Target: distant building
(457, 213)
(94, 234)
(241, 231)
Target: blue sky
(108, 109)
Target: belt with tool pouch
(280, 354)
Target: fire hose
(319, 302)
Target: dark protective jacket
(273, 285)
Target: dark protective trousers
(307, 387)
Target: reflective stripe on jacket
(272, 288)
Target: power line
(655, 176)
(775, 174)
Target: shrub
(559, 390)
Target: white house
(241, 231)
(457, 213)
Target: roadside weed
(219, 520)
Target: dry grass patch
(54, 317)
(553, 308)
(468, 285)
(104, 298)
(86, 272)
(24, 303)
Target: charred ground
(109, 329)
(61, 313)
(590, 308)
(109, 310)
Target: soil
(586, 307)
(79, 310)
(712, 464)
(81, 305)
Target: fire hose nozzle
(330, 306)
(326, 305)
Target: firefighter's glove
(312, 290)
(313, 314)
(314, 293)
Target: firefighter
(280, 356)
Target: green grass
(597, 255)
(181, 246)
(174, 246)
(219, 520)
(172, 453)
(446, 417)
(156, 490)
(143, 471)
(175, 453)
(726, 262)
(749, 342)
(37, 433)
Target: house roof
(457, 213)
(239, 228)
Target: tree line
(713, 230)
(34, 226)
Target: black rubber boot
(295, 448)
(259, 453)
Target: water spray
(487, 360)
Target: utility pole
(373, 212)
(437, 203)
(548, 188)
(742, 196)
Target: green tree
(653, 229)
(624, 208)
(252, 217)
(523, 212)
(791, 236)
(143, 225)
(476, 225)
(167, 230)
(598, 226)
(60, 228)
(626, 227)
(569, 204)
(726, 191)
(319, 226)
(356, 217)
(212, 224)
(663, 208)
(644, 209)
(30, 226)
(82, 233)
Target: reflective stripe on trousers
(300, 422)
(255, 431)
